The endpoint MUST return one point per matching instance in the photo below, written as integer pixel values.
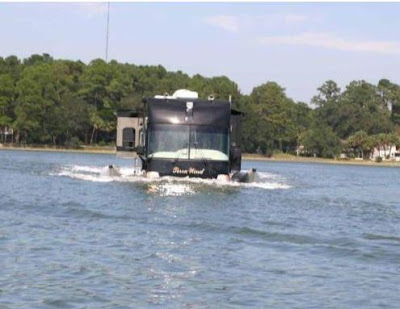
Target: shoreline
(247, 157)
(84, 149)
(298, 159)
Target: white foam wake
(167, 185)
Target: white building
(386, 151)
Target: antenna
(107, 29)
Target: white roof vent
(179, 94)
(185, 94)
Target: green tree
(328, 94)
(302, 117)
(7, 97)
(34, 90)
(390, 93)
(359, 108)
(361, 143)
(268, 124)
(96, 86)
(321, 141)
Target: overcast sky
(298, 45)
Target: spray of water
(167, 185)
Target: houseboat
(183, 136)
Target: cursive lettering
(190, 171)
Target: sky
(298, 45)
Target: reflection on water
(302, 236)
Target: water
(305, 236)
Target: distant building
(300, 150)
(385, 151)
(6, 134)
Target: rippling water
(304, 236)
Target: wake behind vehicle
(183, 136)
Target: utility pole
(107, 29)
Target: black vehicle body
(188, 137)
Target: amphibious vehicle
(183, 136)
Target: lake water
(304, 236)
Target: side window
(128, 138)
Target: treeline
(352, 121)
(67, 103)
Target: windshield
(173, 142)
(208, 143)
(168, 141)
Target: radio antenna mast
(107, 29)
